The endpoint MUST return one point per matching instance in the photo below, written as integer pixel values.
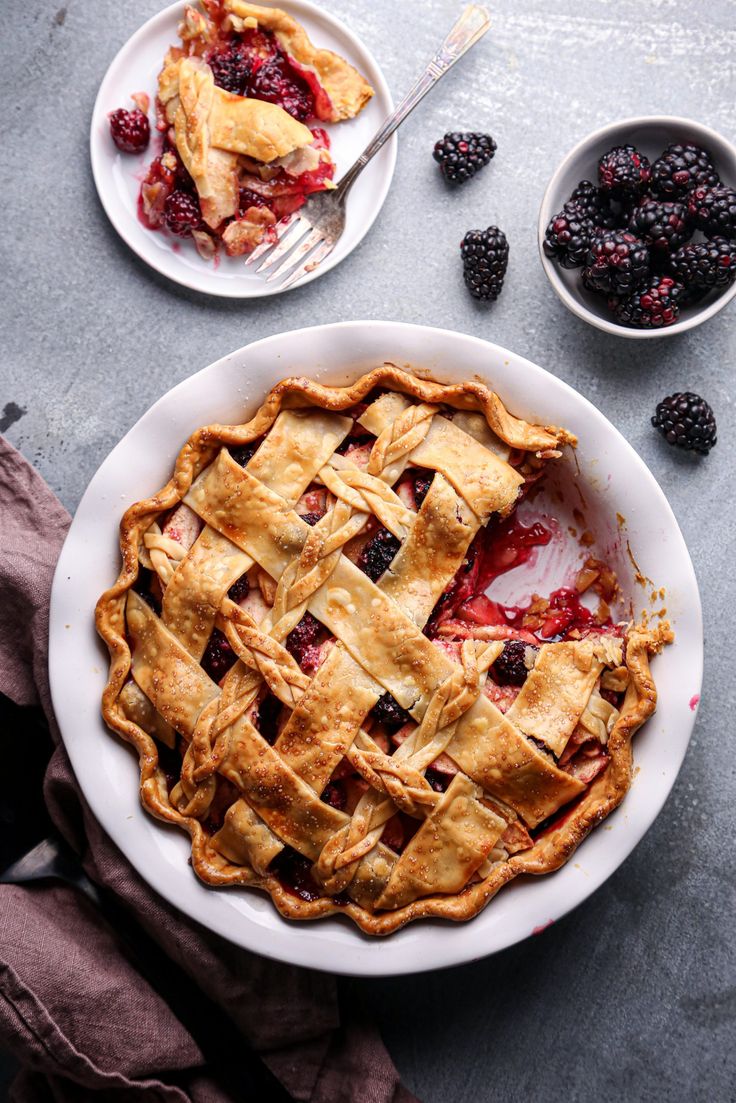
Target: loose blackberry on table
(686, 421)
(485, 255)
(461, 154)
(654, 306)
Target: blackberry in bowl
(670, 185)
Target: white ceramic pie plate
(611, 479)
(118, 175)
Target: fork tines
(295, 240)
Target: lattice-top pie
(317, 685)
(234, 101)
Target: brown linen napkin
(73, 1010)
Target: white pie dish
(118, 175)
(612, 480)
(651, 134)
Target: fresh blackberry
(485, 256)
(664, 226)
(654, 306)
(231, 69)
(706, 264)
(387, 710)
(182, 213)
(510, 667)
(377, 554)
(593, 205)
(685, 420)
(623, 171)
(461, 154)
(569, 236)
(130, 130)
(713, 210)
(680, 169)
(617, 263)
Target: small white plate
(607, 477)
(118, 175)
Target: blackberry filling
(378, 554)
(219, 656)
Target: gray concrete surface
(633, 995)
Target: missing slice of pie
(240, 103)
(319, 688)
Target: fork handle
(470, 27)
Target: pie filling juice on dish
(241, 105)
(318, 683)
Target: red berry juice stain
(498, 548)
(694, 701)
(543, 926)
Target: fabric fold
(73, 1010)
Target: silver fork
(307, 239)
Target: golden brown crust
(549, 851)
(347, 92)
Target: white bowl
(608, 478)
(650, 134)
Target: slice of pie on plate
(319, 688)
(239, 105)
